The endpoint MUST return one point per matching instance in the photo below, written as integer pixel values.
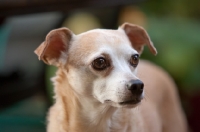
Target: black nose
(135, 86)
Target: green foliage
(178, 44)
(176, 8)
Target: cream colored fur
(82, 93)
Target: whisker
(147, 97)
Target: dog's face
(100, 64)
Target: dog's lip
(108, 100)
(130, 102)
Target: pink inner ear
(56, 42)
(56, 45)
(138, 37)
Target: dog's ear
(54, 49)
(138, 37)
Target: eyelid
(133, 56)
(99, 67)
(137, 55)
(100, 56)
(103, 55)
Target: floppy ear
(53, 50)
(138, 37)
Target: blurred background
(25, 89)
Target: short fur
(88, 100)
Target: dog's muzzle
(136, 88)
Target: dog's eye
(99, 64)
(134, 60)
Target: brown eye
(99, 64)
(134, 60)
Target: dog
(102, 86)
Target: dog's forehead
(98, 41)
(102, 36)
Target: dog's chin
(124, 104)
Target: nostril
(141, 86)
(135, 86)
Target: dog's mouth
(130, 102)
(126, 103)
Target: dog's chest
(126, 121)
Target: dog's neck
(82, 113)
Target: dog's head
(100, 64)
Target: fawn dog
(101, 86)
